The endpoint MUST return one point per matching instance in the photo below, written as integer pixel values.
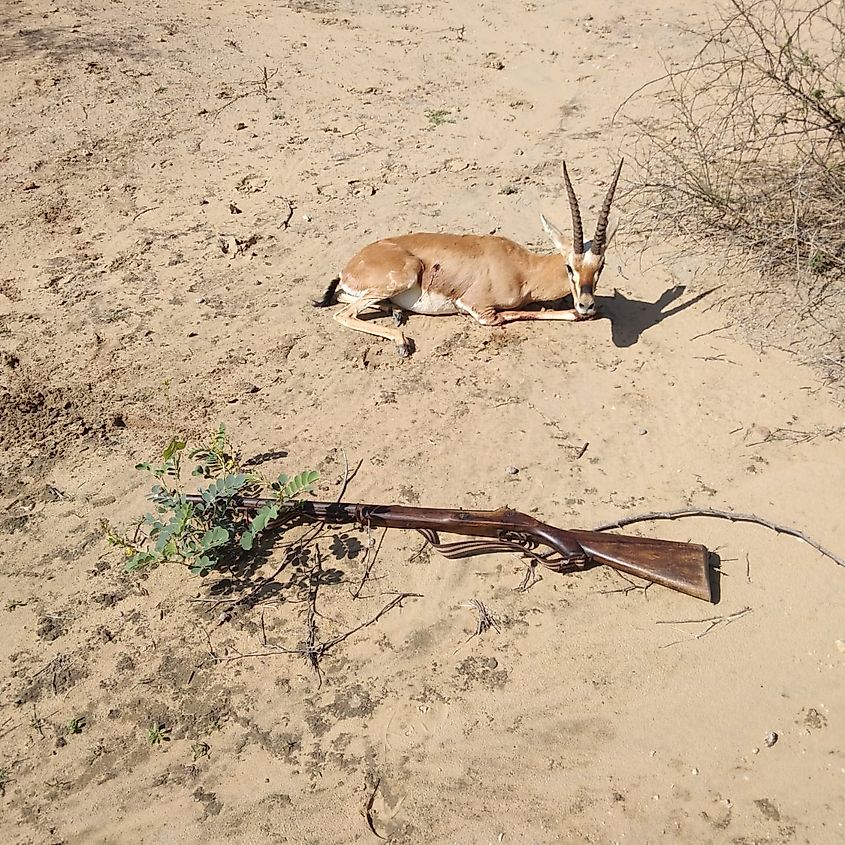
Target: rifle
(679, 566)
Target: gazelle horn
(577, 228)
(597, 246)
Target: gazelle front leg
(348, 317)
(485, 315)
(569, 316)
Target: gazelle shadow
(630, 318)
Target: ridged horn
(597, 246)
(577, 228)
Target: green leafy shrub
(202, 532)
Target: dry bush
(751, 144)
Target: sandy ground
(178, 182)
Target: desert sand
(179, 182)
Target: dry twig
(712, 622)
(631, 588)
(367, 811)
(484, 619)
(530, 578)
(370, 558)
(729, 515)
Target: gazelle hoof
(398, 317)
(406, 349)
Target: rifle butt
(684, 567)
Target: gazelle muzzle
(585, 302)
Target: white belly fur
(418, 301)
(415, 300)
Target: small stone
(770, 739)
(693, 771)
(239, 126)
(755, 750)
(61, 742)
(640, 430)
(840, 646)
(512, 470)
(306, 218)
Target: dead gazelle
(488, 277)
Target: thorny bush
(752, 143)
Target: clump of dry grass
(751, 145)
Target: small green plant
(200, 749)
(75, 726)
(203, 532)
(821, 263)
(437, 117)
(158, 733)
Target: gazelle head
(584, 261)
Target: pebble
(512, 470)
(693, 771)
(770, 739)
(640, 430)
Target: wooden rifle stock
(679, 566)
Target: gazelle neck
(546, 279)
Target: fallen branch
(397, 600)
(729, 515)
(312, 650)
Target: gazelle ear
(557, 237)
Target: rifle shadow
(631, 318)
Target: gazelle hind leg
(348, 317)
